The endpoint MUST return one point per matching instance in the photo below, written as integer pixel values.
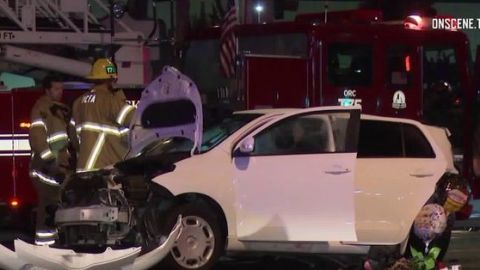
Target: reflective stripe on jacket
(101, 118)
(49, 133)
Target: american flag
(228, 43)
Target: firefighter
(102, 117)
(50, 135)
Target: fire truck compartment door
(170, 106)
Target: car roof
(268, 111)
(281, 111)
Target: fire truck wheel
(201, 241)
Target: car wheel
(201, 241)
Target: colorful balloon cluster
(430, 222)
(432, 219)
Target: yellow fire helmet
(103, 69)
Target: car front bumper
(27, 256)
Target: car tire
(201, 241)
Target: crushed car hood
(170, 106)
(144, 164)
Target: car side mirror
(247, 145)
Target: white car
(316, 180)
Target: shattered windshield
(212, 136)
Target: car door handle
(421, 175)
(338, 172)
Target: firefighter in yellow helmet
(51, 134)
(102, 117)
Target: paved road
(464, 248)
(293, 262)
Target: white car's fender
(27, 256)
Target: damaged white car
(317, 180)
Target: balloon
(456, 199)
(430, 222)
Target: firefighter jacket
(101, 118)
(50, 136)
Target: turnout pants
(48, 198)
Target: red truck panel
(276, 82)
(6, 161)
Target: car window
(304, 134)
(416, 145)
(212, 136)
(339, 124)
(379, 139)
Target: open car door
(294, 178)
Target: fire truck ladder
(71, 23)
(58, 22)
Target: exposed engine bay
(94, 211)
(105, 208)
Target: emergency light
(416, 22)
(14, 203)
(25, 125)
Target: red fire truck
(390, 69)
(403, 69)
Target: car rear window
(381, 139)
(416, 145)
